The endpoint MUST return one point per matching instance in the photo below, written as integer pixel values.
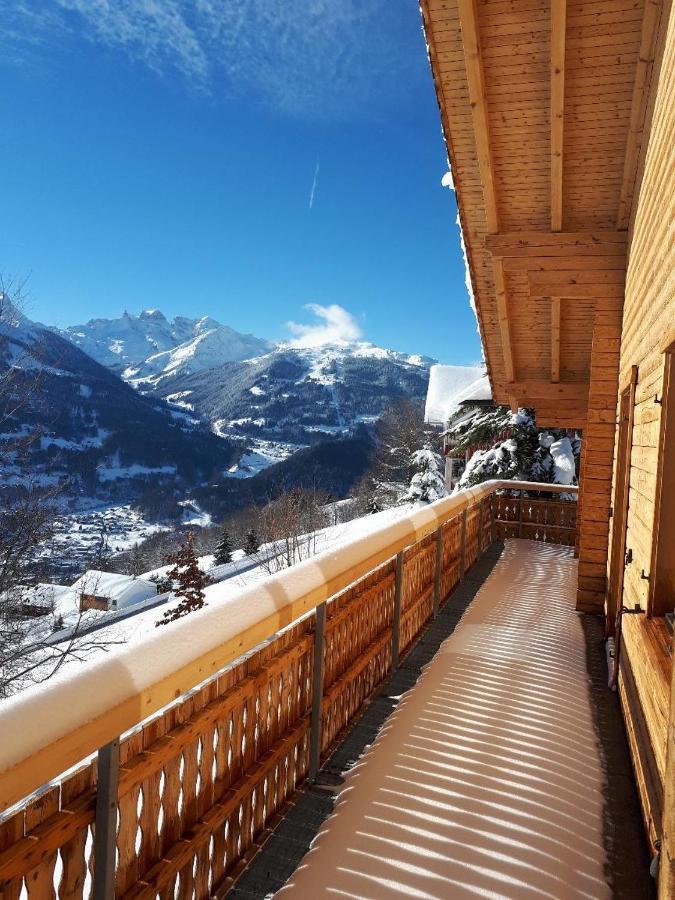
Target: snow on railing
(245, 737)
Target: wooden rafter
(558, 20)
(638, 111)
(555, 339)
(468, 18)
(503, 317)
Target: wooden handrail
(116, 693)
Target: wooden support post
(396, 618)
(438, 571)
(520, 515)
(480, 530)
(491, 501)
(317, 692)
(462, 558)
(106, 820)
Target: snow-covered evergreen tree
(252, 543)
(190, 579)
(223, 554)
(427, 483)
(528, 454)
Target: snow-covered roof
(43, 594)
(446, 384)
(123, 590)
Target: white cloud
(312, 58)
(335, 325)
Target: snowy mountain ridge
(128, 343)
(243, 385)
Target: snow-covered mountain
(146, 344)
(243, 385)
(295, 394)
(67, 420)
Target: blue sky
(236, 158)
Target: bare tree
(401, 431)
(29, 650)
(288, 527)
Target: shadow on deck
(492, 776)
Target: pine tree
(224, 549)
(427, 483)
(252, 542)
(191, 581)
(528, 454)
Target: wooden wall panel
(649, 315)
(598, 457)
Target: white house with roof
(451, 396)
(110, 590)
(445, 383)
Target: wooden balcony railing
(256, 694)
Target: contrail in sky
(315, 184)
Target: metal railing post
(462, 557)
(106, 820)
(396, 617)
(438, 571)
(317, 691)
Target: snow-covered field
(232, 578)
(262, 455)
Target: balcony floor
(490, 779)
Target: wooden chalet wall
(648, 328)
(558, 120)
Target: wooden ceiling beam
(577, 291)
(564, 263)
(565, 279)
(468, 19)
(555, 339)
(547, 419)
(563, 243)
(558, 21)
(546, 391)
(503, 318)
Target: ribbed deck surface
(487, 780)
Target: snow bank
(445, 383)
(564, 470)
(44, 713)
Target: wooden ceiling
(543, 104)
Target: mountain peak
(155, 314)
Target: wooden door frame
(617, 549)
